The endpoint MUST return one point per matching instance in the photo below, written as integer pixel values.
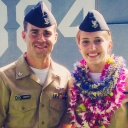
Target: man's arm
(4, 101)
(70, 83)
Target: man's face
(40, 41)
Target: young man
(33, 90)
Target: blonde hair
(107, 35)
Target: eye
(85, 42)
(97, 41)
(34, 32)
(47, 33)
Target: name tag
(22, 97)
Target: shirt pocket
(19, 110)
(57, 108)
(23, 105)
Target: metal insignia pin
(20, 74)
(46, 20)
(95, 24)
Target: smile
(41, 47)
(93, 55)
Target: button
(23, 108)
(42, 122)
(42, 105)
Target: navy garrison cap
(40, 16)
(93, 21)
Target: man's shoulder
(60, 67)
(8, 67)
(60, 70)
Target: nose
(92, 47)
(41, 38)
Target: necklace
(92, 104)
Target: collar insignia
(20, 74)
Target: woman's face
(94, 46)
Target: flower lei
(92, 104)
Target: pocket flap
(23, 105)
(58, 104)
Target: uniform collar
(53, 74)
(23, 70)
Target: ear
(110, 46)
(24, 35)
(56, 36)
(78, 44)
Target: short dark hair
(25, 23)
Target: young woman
(99, 85)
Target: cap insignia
(95, 25)
(46, 21)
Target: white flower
(85, 124)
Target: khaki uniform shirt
(119, 119)
(26, 103)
